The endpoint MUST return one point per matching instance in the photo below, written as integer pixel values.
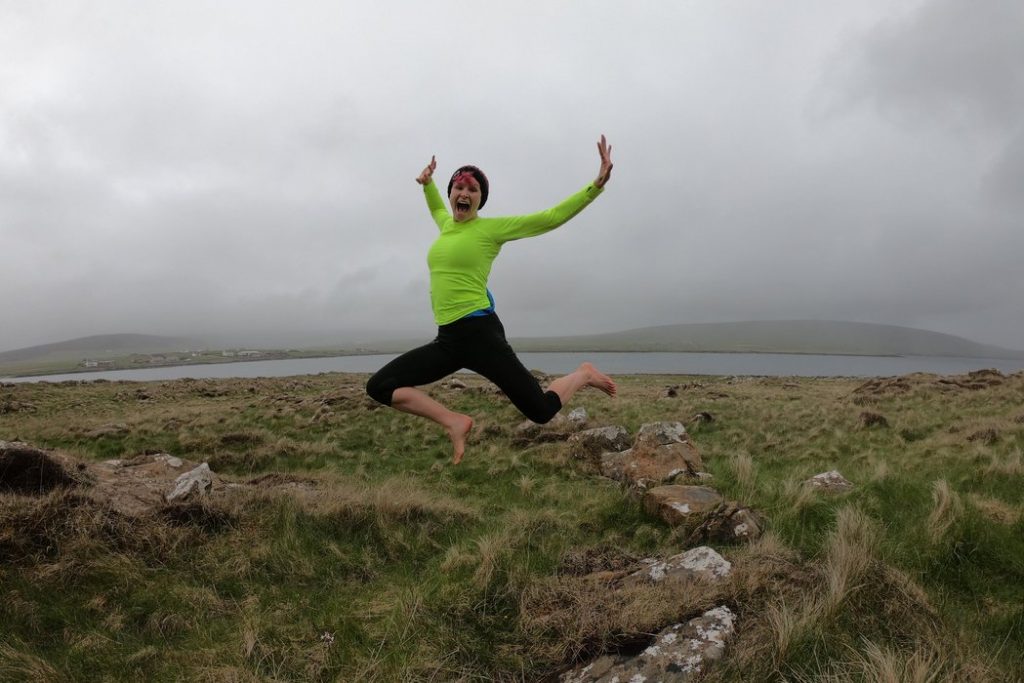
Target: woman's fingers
(428, 172)
(605, 150)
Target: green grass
(397, 565)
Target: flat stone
(679, 654)
(678, 504)
(832, 482)
(701, 563)
(644, 467)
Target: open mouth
(462, 205)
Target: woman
(469, 334)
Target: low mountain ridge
(777, 336)
(101, 345)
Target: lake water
(764, 364)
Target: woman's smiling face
(464, 198)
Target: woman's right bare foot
(458, 430)
(599, 380)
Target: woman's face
(465, 198)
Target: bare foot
(458, 430)
(599, 380)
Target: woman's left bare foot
(599, 380)
(458, 430)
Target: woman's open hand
(428, 172)
(605, 150)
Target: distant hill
(100, 346)
(780, 336)
(777, 336)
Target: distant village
(136, 360)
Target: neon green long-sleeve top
(461, 257)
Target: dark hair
(476, 173)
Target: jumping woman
(469, 333)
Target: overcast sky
(195, 168)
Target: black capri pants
(478, 344)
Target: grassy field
(368, 556)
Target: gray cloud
(248, 168)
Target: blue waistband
(483, 311)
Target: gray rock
(590, 443)
(612, 464)
(661, 433)
(680, 505)
(697, 563)
(455, 383)
(679, 654)
(198, 482)
(527, 432)
(730, 522)
(831, 482)
(169, 459)
(578, 417)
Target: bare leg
(586, 375)
(414, 401)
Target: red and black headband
(474, 173)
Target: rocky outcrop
(132, 486)
(678, 654)
(661, 454)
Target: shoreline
(277, 356)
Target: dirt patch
(197, 514)
(276, 479)
(868, 420)
(582, 561)
(241, 439)
(30, 471)
(985, 436)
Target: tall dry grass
(947, 508)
